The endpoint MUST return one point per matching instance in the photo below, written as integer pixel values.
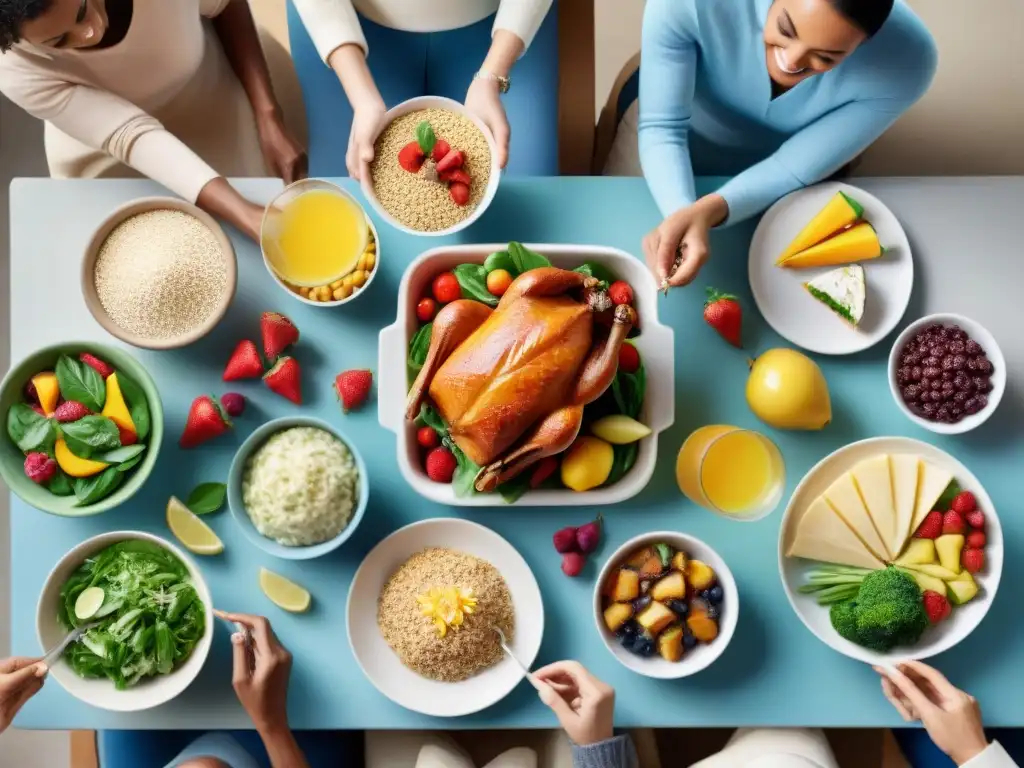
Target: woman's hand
(951, 717)
(285, 157)
(483, 99)
(261, 669)
(367, 123)
(20, 680)
(583, 704)
(684, 235)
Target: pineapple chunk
(655, 617)
(639, 557)
(949, 548)
(700, 575)
(670, 644)
(617, 614)
(652, 567)
(670, 587)
(627, 586)
(679, 561)
(919, 552)
(963, 589)
(703, 628)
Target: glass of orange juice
(735, 472)
(313, 233)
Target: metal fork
(72, 637)
(508, 651)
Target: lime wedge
(195, 535)
(284, 593)
(89, 602)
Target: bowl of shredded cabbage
(147, 615)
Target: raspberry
(40, 468)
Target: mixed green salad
(148, 616)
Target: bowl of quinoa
(429, 198)
(159, 273)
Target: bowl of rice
(159, 273)
(297, 488)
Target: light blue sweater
(706, 106)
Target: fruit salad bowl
(654, 345)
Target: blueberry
(689, 641)
(716, 595)
(627, 630)
(641, 602)
(706, 594)
(679, 607)
(713, 611)
(643, 646)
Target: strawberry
(278, 333)
(441, 465)
(976, 540)
(31, 396)
(722, 312)
(40, 468)
(976, 519)
(459, 193)
(285, 379)
(353, 387)
(456, 175)
(629, 358)
(952, 522)
(544, 469)
(38, 409)
(441, 148)
(427, 437)
(572, 564)
(620, 292)
(102, 368)
(425, 310)
(70, 410)
(964, 502)
(206, 420)
(411, 157)
(454, 159)
(931, 526)
(126, 436)
(565, 540)
(245, 362)
(936, 606)
(973, 560)
(233, 403)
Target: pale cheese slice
(931, 483)
(843, 497)
(875, 486)
(821, 535)
(905, 470)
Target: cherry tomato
(427, 437)
(426, 309)
(629, 358)
(498, 281)
(446, 288)
(620, 292)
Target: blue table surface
(774, 672)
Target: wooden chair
(624, 92)
(576, 89)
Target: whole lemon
(787, 390)
(587, 464)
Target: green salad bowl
(12, 459)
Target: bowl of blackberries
(947, 373)
(666, 605)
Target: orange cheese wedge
(858, 243)
(841, 212)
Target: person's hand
(261, 669)
(367, 123)
(483, 99)
(20, 680)
(684, 236)
(285, 156)
(583, 704)
(951, 717)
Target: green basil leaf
(425, 137)
(525, 259)
(431, 418)
(465, 470)
(629, 389)
(89, 490)
(80, 382)
(206, 498)
(512, 490)
(946, 499)
(30, 431)
(138, 408)
(60, 485)
(501, 260)
(473, 281)
(624, 457)
(122, 454)
(90, 435)
(601, 272)
(419, 345)
(124, 466)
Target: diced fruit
(976, 519)
(498, 282)
(74, 465)
(454, 159)
(629, 358)
(588, 536)
(244, 362)
(670, 587)
(617, 614)
(127, 437)
(627, 586)
(919, 552)
(926, 582)
(931, 527)
(101, 367)
(700, 575)
(655, 617)
(441, 148)
(964, 502)
(936, 606)
(410, 157)
(703, 627)
(670, 644)
(441, 465)
(456, 175)
(973, 560)
(542, 470)
(88, 603)
(446, 288)
(620, 292)
(652, 567)
(936, 571)
(283, 592)
(619, 429)
(949, 548)
(679, 561)
(587, 464)
(233, 403)
(70, 410)
(40, 468)
(426, 308)
(115, 408)
(285, 379)
(962, 589)
(427, 437)
(679, 607)
(459, 193)
(640, 556)
(206, 420)
(976, 540)
(47, 390)
(952, 522)
(353, 388)
(278, 333)
(572, 563)
(565, 540)
(195, 535)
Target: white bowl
(655, 343)
(381, 665)
(101, 693)
(981, 335)
(700, 657)
(438, 102)
(793, 571)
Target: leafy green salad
(148, 615)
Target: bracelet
(504, 83)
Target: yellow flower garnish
(446, 607)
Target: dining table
(966, 245)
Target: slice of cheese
(822, 535)
(905, 470)
(931, 483)
(874, 483)
(843, 497)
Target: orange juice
(734, 471)
(315, 238)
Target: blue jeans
(920, 752)
(409, 64)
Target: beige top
(333, 23)
(109, 99)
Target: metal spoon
(504, 646)
(72, 637)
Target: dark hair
(869, 15)
(14, 13)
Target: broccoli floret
(844, 620)
(889, 610)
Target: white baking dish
(655, 343)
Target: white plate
(793, 570)
(794, 313)
(381, 665)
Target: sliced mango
(75, 465)
(858, 243)
(840, 212)
(116, 409)
(47, 390)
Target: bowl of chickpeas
(335, 210)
